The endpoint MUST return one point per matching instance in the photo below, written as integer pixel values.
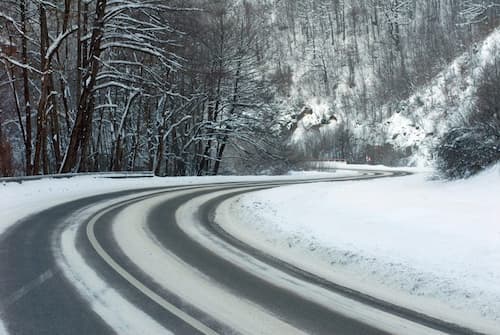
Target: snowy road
(153, 261)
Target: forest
(204, 87)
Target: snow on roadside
(430, 245)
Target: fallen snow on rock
(432, 246)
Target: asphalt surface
(301, 313)
(35, 297)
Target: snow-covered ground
(432, 246)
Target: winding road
(155, 261)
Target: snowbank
(429, 245)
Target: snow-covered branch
(57, 42)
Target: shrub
(466, 151)
(473, 146)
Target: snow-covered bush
(475, 145)
(464, 151)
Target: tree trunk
(26, 88)
(41, 132)
(77, 148)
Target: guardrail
(113, 175)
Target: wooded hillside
(176, 87)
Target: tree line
(157, 85)
(178, 87)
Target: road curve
(37, 297)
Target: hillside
(414, 124)
(374, 97)
(419, 121)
